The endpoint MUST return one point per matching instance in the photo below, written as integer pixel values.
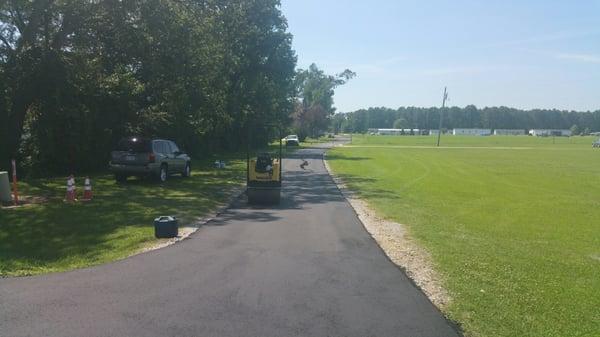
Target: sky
(523, 54)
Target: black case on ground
(166, 227)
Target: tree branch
(66, 28)
(3, 39)
(17, 18)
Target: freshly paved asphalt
(304, 268)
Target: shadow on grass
(362, 187)
(58, 236)
(333, 156)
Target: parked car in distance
(137, 156)
(292, 140)
(596, 143)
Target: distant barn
(471, 132)
(509, 132)
(550, 132)
(395, 132)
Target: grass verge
(511, 223)
(55, 236)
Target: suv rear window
(134, 145)
(161, 147)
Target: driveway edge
(189, 229)
(396, 243)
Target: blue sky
(523, 54)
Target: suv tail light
(151, 158)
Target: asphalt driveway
(304, 268)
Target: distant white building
(395, 132)
(550, 132)
(509, 132)
(434, 132)
(471, 132)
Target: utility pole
(441, 116)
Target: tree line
(467, 117)
(77, 75)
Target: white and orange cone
(70, 196)
(87, 189)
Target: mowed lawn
(55, 236)
(512, 222)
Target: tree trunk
(16, 120)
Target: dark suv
(142, 157)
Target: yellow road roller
(263, 178)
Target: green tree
(574, 130)
(75, 76)
(315, 106)
(471, 117)
(339, 123)
(586, 131)
(400, 123)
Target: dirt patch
(186, 230)
(398, 246)
(26, 200)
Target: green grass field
(512, 223)
(55, 236)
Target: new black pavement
(304, 268)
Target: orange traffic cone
(87, 189)
(70, 196)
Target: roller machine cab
(264, 176)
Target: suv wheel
(187, 171)
(163, 174)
